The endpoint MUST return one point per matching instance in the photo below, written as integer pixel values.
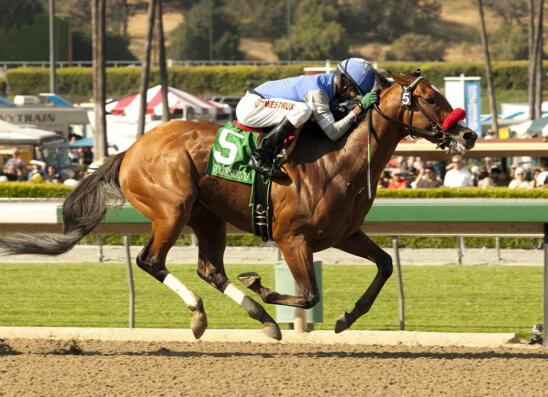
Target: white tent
(11, 134)
(190, 106)
(122, 115)
(531, 129)
(122, 130)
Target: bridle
(438, 134)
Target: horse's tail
(83, 209)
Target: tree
(416, 47)
(162, 59)
(189, 40)
(385, 20)
(509, 42)
(79, 12)
(257, 19)
(99, 79)
(488, 72)
(145, 68)
(535, 58)
(17, 13)
(512, 11)
(315, 34)
(116, 46)
(181, 4)
(51, 34)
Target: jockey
(288, 103)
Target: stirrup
(272, 171)
(276, 172)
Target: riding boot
(262, 159)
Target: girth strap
(260, 204)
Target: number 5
(406, 98)
(225, 144)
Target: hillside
(458, 27)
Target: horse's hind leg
(361, 245)
(298, 256)
(211, 233)
(152, 259)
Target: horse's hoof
(342, 323)
(272, 330)
(198, 324)
(248, 279)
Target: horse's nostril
(469, 136)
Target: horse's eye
(430, 100)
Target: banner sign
(472, 105)
(465, 92)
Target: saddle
(283, 151)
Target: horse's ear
(398, 78)
(381, 81)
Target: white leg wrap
(190, 298)
(234, 293)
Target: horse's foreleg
(152, 259)
(211, 233)
(298, 256)
(361, 245)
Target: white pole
(299, 322)
(100, 244)
(401, 300)
(130, 282)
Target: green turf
(438, 298)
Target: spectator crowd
(412, 172)
(16, 169)
(400, 173)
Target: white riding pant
(257, 112)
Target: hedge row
(50, 190)
(469, 192)
(123, 81)
(44, 190)
(33, 190)
(507, 75)
(235, 80)
(382, 241)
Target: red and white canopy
(177, 100)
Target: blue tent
(56, 99)
(5, 101)
(86, 142)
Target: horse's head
(426, 113)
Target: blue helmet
(359, 72)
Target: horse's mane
(381, 82)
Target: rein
(439, 134)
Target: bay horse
(321, 204)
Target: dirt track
(65, 368)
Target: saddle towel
(230, 152)
(228, 159)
